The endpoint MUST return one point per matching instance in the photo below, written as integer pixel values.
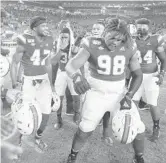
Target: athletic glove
(125, 103)
(81, 85)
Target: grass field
(95, 151)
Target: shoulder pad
(155, 37)
(28, 32)
(21, 40)
(50, 38)
(160, 40)
(86, 41)
(159, 43)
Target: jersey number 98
(109, 65)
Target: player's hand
(10, 151)
(81, 85)
(17, 85)
(160, 77)
(125, 103)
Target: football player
(98, 28)
(62, 81)
(97, 31)
(33, 51)
(149, 48)
(108, 58)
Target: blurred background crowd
(81, 14)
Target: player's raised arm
(14, 65)
(77, 62)
(80, 83)
(79, 59)
(136, 74)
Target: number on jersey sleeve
(115, 65)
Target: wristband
(130, 94)
(75, 76)
(162, 72)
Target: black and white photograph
(83, 81)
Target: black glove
(125, 103)
(81, 85)
(160, 77)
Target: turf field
(95, 151)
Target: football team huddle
(108, 74)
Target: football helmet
(57, 102)
(26, 115)
(124, 126)
(12, 94)
(4, 66)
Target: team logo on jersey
(96, 42)
(126, 105)
(148, 43)
(30, 40)
(122, 49)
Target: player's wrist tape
(129, 94)
(76, 76)
(162, 72)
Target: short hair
(65, 30)
(143, 21)
(100, 21)
(36, 21)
